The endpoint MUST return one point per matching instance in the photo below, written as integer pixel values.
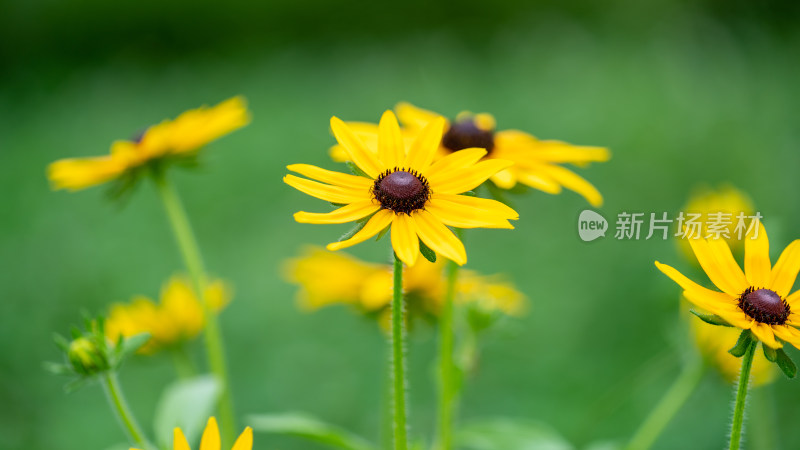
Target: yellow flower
(178, 317)
(327, 278)
(211, 440)
(536, 162)
(405, 190)
(176, 138)
(710, 203)
(757, 299)
(714, 343)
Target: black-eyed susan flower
(325, 278)
(537, 163)
(756, 299)
(169, 140)
(211, 439)
(176, 318)
(402, 188)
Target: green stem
(741, 394)
(398, 360)
(668, 406)
(447, 392)
(194, 264)
(184, 366)
(120, 406)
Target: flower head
(536, 162)
(757, 299)
(211, 439)
(170, 139)
(404, 189)
(178, 316)
(327, 278)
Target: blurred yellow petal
(562, 152)
(413, 117)
(785, 271)
(245, 441)
(347, 213)
(756, 258)
(333, 194)
(573, 182)
(210, 439)
(537, 180)
(179, 440)
(355, 149)
(79, 173)
(404, 239)
(438, 237)
(378, 222)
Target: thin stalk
(117, 401)
(741, 396)
(398, 360)
(447, 391)
(194, 264)
(184, 367)
(668, 406)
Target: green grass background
(682, 95)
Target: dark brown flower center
(401, 190)
(467, 134)
(764, 305)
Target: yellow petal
(245, 441)
(378, 222)
(705, 298)
(788, 334)
(179, 440)
(489, 206)
(456, 161)
(334, 194)
(756, 258)
(404, 239)
(79, 173)
(456, 182)
(355, 149)
(413, 117)
(331, 177)
(424, 147)
(562, 152)
(505, 179)
(535, 179)
(438, 237)
(765, 334)
(720, 304)
(391, 150)
(575, 183)
(347, 213)
(210, 439)
(460, 218)
(785, 271)
(719, 265)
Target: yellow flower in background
(211, 439)
(710, 203)
(714, 343)
(176, 318)
(327, 278)
(536, 162)
(176, 138)
(403, 189)
(757, 299)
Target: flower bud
(86, 358)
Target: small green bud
(86, 358)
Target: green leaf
(61, 342)
(742, 344)
(786, 364)
(186, 404)
(770, 353)
(382, 233)
(429, 254)
(355, 170)
(57, 368)
(712, 319)
(505, 433)
(358, 226)
(302, 425)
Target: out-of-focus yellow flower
(715, 341)
(537, 163)
(178, 316)
(326, 278)
(211, 439)
(176, 138)
(710, 204)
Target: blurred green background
(684, 93)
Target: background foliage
(682, 92)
